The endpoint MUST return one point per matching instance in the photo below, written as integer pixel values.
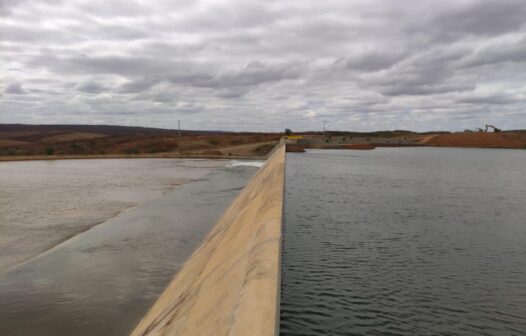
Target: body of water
(405, 241)
(43, 203)
(104, 280)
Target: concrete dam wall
(230, 285)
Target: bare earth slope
(479, 139)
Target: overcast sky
(265, 65)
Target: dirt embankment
(295, 148)
(479, 139)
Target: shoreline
(290, 148)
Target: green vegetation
(288, 131)
(50, 151)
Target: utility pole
(324, 125)
(179, 133)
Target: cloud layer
(265, 65)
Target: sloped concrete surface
(230, 285)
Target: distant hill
(20, 139)
(29, 140)
(101, 129)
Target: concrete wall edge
(231, 284)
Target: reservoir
(103, 281)
(43, 203)
(404, 241)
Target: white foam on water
(237, 163)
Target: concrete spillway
(230, 285)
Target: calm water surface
(405, 241)
(103, 281)
(43, 203)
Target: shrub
(50, 151)
(237, 142)
(213, 142)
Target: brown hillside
(479, 139)
(10, 143)
(74, 136)
(63, 140)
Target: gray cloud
(491, 99)
(91, 87)
(15, 88)
(265, 65)
(425, 89)
(375, 60)
(138, 85)
(254, 73)
(514, 52)
(484, 17)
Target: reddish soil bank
(479, 139)
(359, 146)
(398, 145)
(301, 148)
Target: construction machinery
(495, 129)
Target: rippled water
(405, 241)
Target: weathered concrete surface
(230, 285)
